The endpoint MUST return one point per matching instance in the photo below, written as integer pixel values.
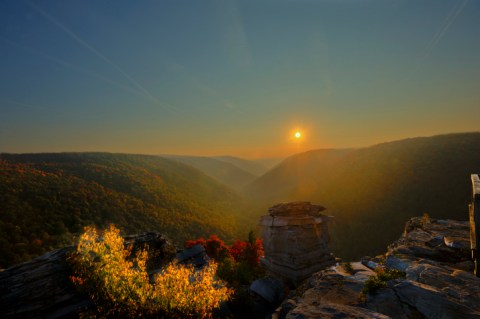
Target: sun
(298, 134)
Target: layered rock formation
(438, 283)
(41, 288)
(295, 241)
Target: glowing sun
(298, 134)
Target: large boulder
(195, 255)
(269, 289)
(266, 294)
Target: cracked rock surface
(438, 282)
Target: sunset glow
(240, 81)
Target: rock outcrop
(41, 288)
(195, 255)
(433, 255)
(295, 241)
(438, 283)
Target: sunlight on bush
(119, 285)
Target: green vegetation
(119, 284)
(380, 280)
(348, 268)
(47, 199)
(373, 191)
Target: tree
(119, 284)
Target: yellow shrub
(119, 284)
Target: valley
(47, 199)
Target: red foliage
(253, 252)
(237, 249)
(216, 248)
(249, 251)
(191, 243)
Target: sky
(237, 78)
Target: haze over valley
(47, 199)
(192, 118)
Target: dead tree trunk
(475, 223)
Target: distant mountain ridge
(47, 198)
(232, 171)
(255, 167)
(222, 170)
(372, 191)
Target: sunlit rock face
(438, 280)
(295, 240)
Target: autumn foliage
(119, 284)
(47, 199)
(238, 263)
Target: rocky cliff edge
(433, 262)
(433, 257)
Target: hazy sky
(234, 77)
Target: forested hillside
(373, 191)
(255, 167)
(46, 199)
(223, 171)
